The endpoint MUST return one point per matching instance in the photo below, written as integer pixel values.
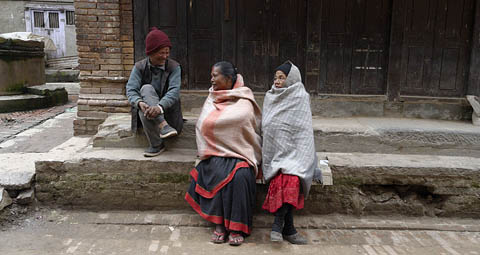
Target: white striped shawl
(288, 144)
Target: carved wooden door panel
(354, 43)
(435, 47)
(269, 33)
(204, 40)
(252, 47)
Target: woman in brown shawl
(222, 190)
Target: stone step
(61, 75)
(361, 134)
(344, 106)
(188, 218)
(381, 184)
(41, 96)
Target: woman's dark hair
(228, 70)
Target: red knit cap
(156, 39)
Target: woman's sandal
(235, 239)
(218, 237)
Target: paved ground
(14, 123)
(66, 232)
(50, 231)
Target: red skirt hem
(283, 188)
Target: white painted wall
(70, 41)
(12, 18)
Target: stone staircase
(380, 166)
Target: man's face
(159, 57)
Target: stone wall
(128, 184)
(105, 48)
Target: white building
(52, 18)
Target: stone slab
(18, 167)
(189, 218)
(5, 199)
(115, 132)
(75, 232)
(391, 169)
(18, 170)
(39, 98)
(26, 197)
(367, 135)
(42, 137)
(475, 103)
(364, 184)
(72, 88)
(342, 106)
(65, 75)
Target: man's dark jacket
(173, 115)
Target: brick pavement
(13, 123)
(52, 231)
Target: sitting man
(153, 90)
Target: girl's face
(219, 81)
(279, 79)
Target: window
(53, 21)
(70, 18)
(39, 20)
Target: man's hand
(152, 112)
(143, 106)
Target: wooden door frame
(473, 83)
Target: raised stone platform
(344, 106)
(40, 96)
(99, 178)
(361, 134)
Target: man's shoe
(152, 152)
(167, 131)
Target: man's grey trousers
(151, 126)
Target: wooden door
(50, 24)
(170, 17)
(354, 43)
(204, 41)
(253, 37)
(435, 48)
(269, 32)
(287, 35)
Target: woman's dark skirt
(222, 191)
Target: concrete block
(327, 178)
(475, 103)
(475, 119)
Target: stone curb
(324, 222)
